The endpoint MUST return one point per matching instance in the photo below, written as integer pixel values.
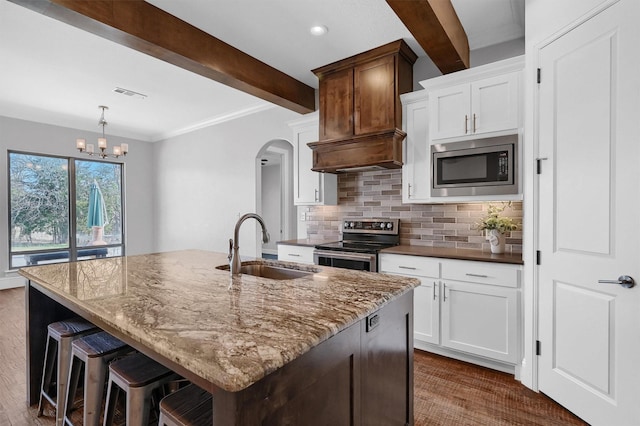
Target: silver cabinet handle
(407, 267)
(477, 275)
(444, 292)
(434, 290)
(474, 122)
(466, 124)
(294, 254)
(624, 280)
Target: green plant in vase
(495, 226)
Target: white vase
(496, 241)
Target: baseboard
(494, 365)
(11, 282)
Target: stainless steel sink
(264, 270)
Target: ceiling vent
(130, 93)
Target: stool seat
(60, 336)
(138, 376)
(70, 327)
(189, 406)
(138, 370)
(98, 344)
(94, 351)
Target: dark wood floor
(447, 392)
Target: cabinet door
(336, 105)
(449, 109)
(426, 300)
(480, 319)
(374, 96)
(426, 312)
(416, 171)
(306, 183)
(298, 254)
(494, 104)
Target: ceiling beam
(148, 29)
(436, 27)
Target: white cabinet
(476, 101)
(426, 298)
(416, 169)
(310, 188)
(481, 316)
(464, 307)
(294, 253)
(480, 319)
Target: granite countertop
(461, 254)
(230, 332)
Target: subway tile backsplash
(379, 194)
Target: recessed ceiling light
(318, 30)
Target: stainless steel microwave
(478, 167)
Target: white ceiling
(54, 73)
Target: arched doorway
(274, 193)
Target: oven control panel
(371, 226)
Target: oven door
(346, 260)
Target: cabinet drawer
(409, 265)
(482, 272)
(298, 254)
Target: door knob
(624, 280)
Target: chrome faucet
(234, 255)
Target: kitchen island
(331, 347)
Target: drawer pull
(294, 254)
(407, 267)
(477, 275)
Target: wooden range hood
(360, 110)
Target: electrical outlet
(303, 216)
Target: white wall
(28, 136)
(543, 19)
(424, 68)
(206, 179)
(497, 52)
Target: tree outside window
(41, 209)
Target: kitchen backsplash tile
(379, 194)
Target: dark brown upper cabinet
(360, 109)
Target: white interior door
(589, 217)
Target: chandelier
(89, 149)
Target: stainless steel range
(362, 239)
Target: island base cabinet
(480, 319)
(361, 376)
(387, 365)
(320, 388)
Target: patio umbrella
(97, 215)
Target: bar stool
(138, 376)
(94, 351)
(57, 355)
(189, 406)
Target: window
(53, 198)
